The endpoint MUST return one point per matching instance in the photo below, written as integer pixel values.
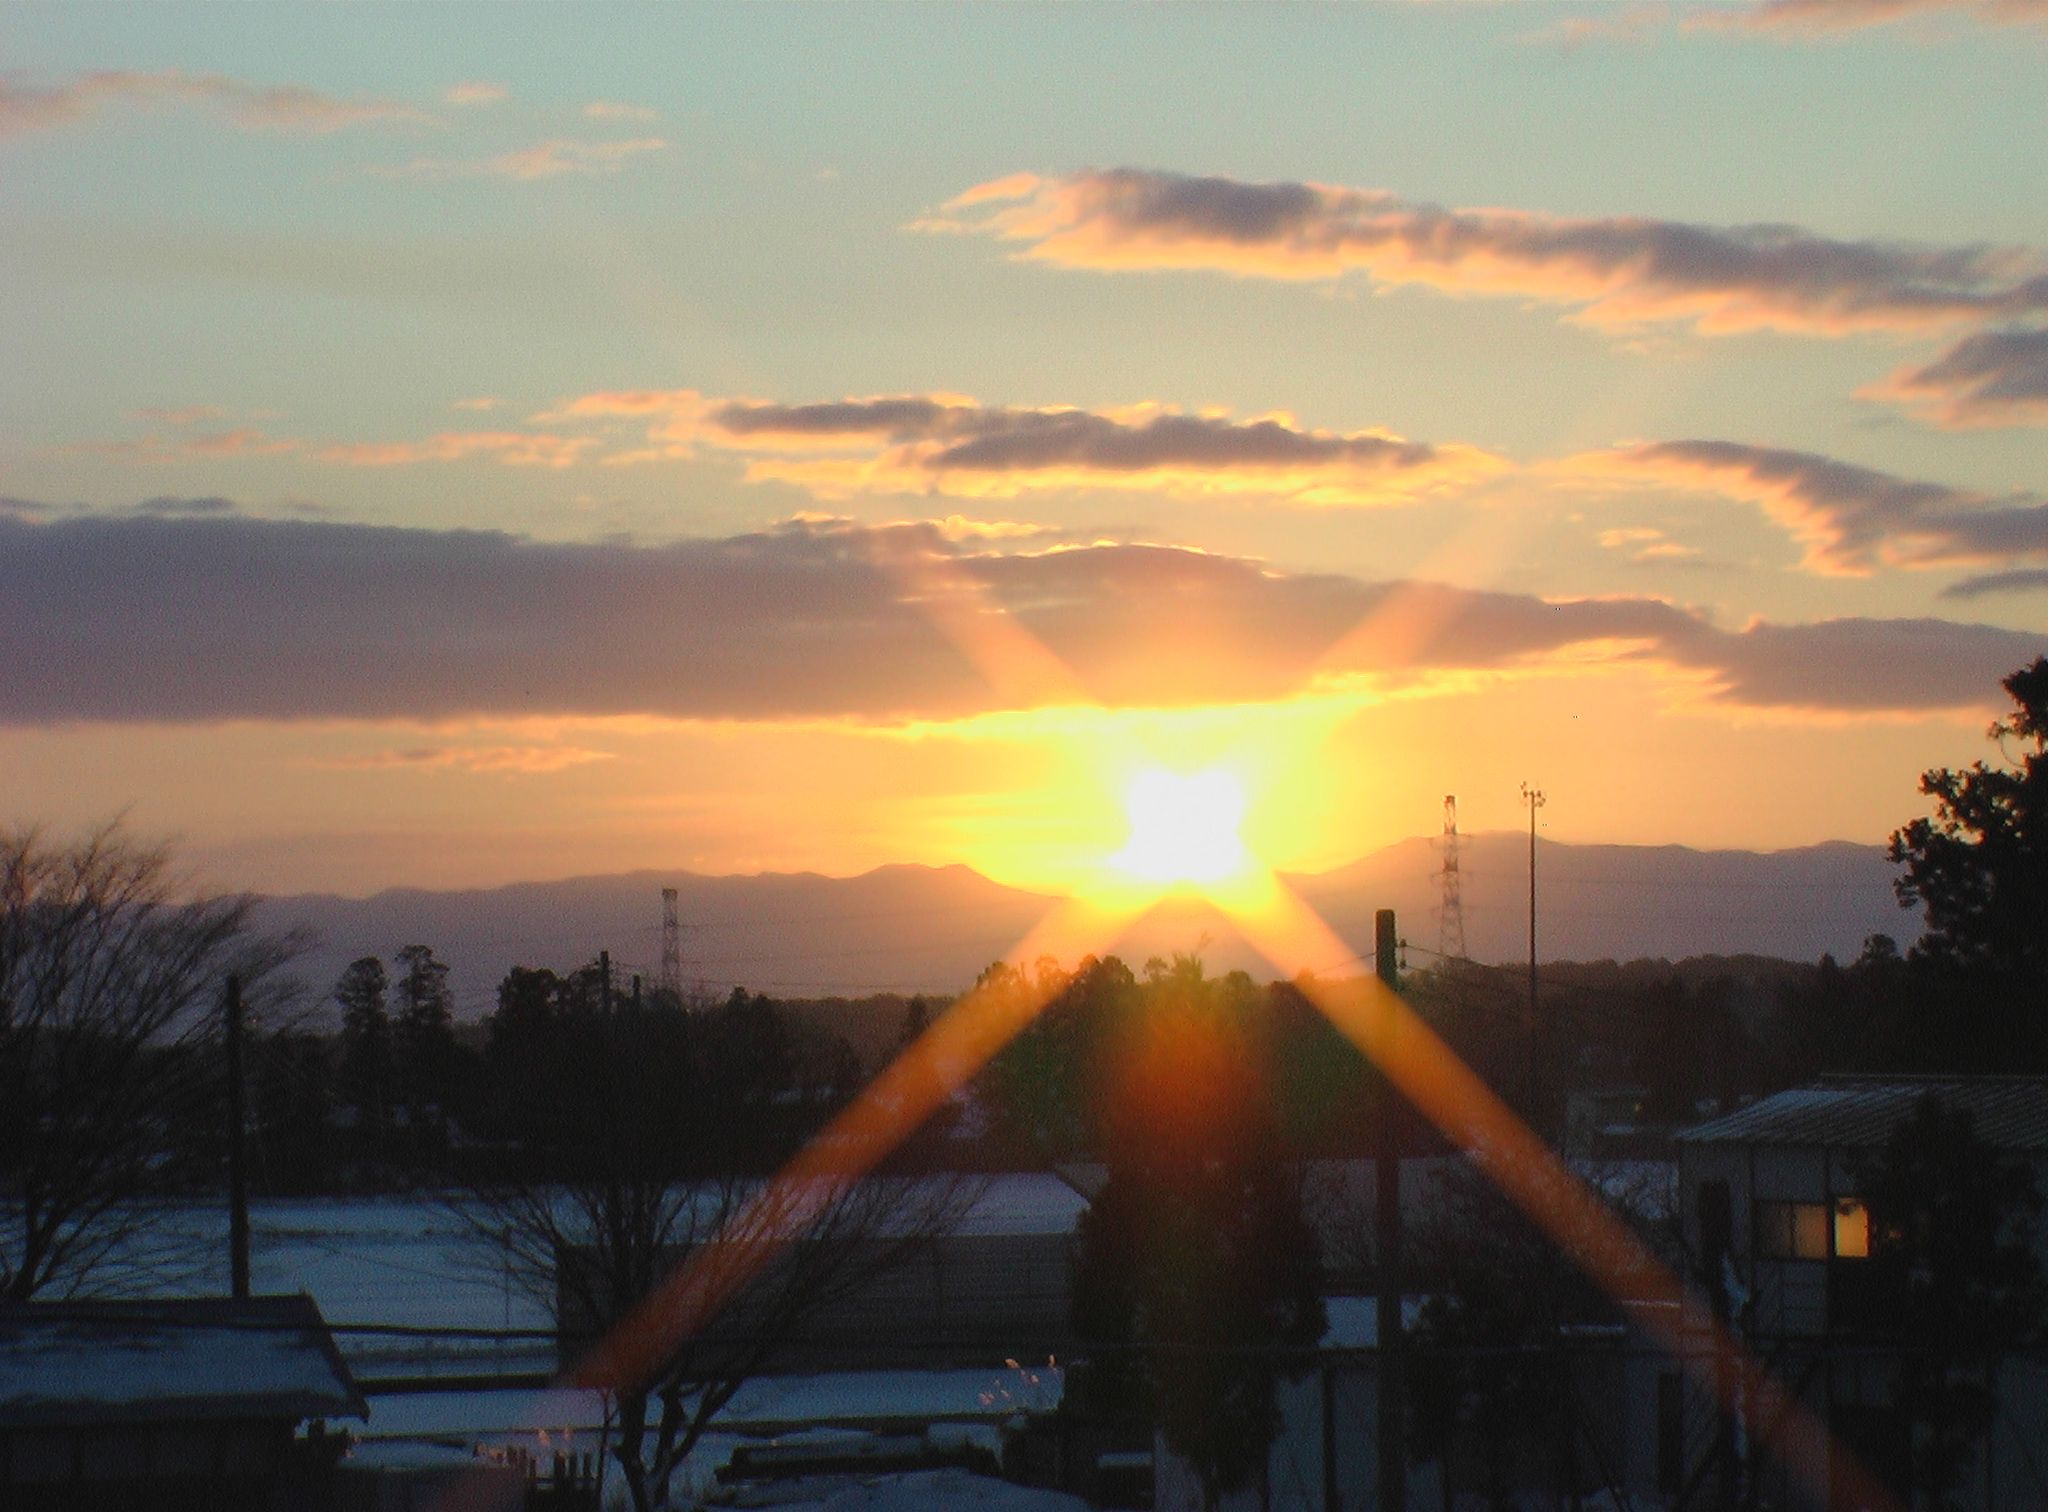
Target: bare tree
(111, 976)
(646, 1137)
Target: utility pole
(1533, 797)
(1393, 1393)
(238, 1178)
(604, 984)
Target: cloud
(2022, 580)
(555, 158)
(1611, 23)
(1615, 270)
(26, 106)
(1820, 17)
(822, 619)
(1850, 519)
(950, 444)
(481, 402)
(614, 110)
(475, 92)
(1644, 545)
(1991, 378)
(514, 448)
(190, 446)
(511, 760)
(1856, 666)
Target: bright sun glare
(1184, 828)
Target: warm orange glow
(1184, 832)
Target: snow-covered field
(412, 1263)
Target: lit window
(1852, 1229)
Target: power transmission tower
(1450, 921)
(671, 948)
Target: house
(189, 1403)
(1782, 1244)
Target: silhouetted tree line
(399, 1095)
(1056, 1091)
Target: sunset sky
(448, 446)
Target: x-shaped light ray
(1289, 934)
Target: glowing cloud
(557, 157)
(475, 93)
(1825, 16)
(1850, 519)
(514, 448)
(1991, 378)
(829, 620)
(1616, 270)
(27, 106)
(953, 445)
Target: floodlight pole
(1393, 1393)
(238, 1178)
(1533, 798)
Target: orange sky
(446, 455)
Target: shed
(175, 1403)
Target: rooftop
(1860, 1112)
(212, 1358)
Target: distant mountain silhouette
(931, 929)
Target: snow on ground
(917, 1491)
(844, 1397)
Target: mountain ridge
(915, 927)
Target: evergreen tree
(1979, 865)
(1955, 1282)
(365, 1039)
(424, 1032)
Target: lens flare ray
(1446, 1091)
(1278, 923)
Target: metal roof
(1860, 1112)
(180, 1360)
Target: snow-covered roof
(213, 1358)
(1860, 1112)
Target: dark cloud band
(145, 617)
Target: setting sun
(1184, 827)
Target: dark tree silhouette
(1979, 864)
(366, 1075)
(1045, 1086)
(644, 1133)
(1198, 1277)
(111, 980)
(1491, 1378)
(423, 1034)
(1954, 1281)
